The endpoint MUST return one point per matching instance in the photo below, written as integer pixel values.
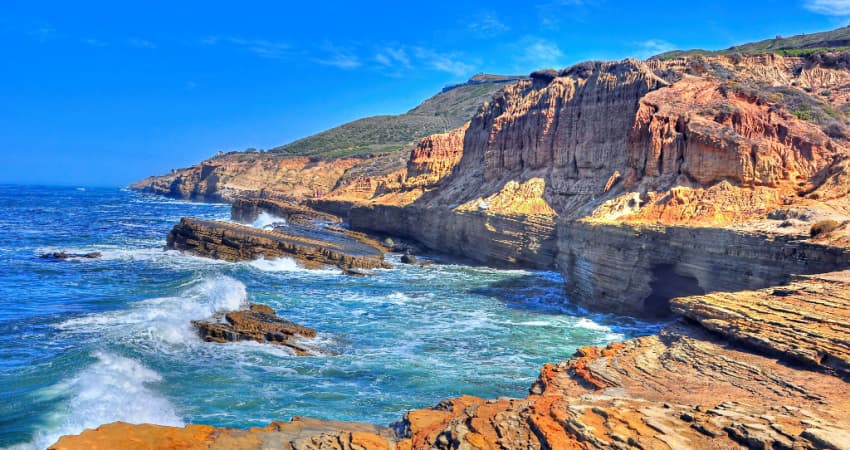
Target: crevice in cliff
(666, 285)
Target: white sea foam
(265, 221)
(113, 388)
(536, 323)
(276, 265)
(290, 265)
(588, 324)
(166, 320)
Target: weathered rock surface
(808, 320)
(234, 175)
(646, 181)
(258, 323)
(636, 268)
(246, 210)
(643, 160)
(66, 255)
(311, 247)
(298, 434)
(686, 387)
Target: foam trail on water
(265, 221)
(276, 265)
(113, 388)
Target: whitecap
(166, 321)
(591, 325)
(114, 388)
(266, 221)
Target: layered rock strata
(807, 320)
(637, 268)
(233, 242)
(686, 387)
(622, 173)
(258, 323)
(246, 210)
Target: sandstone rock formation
(686, 387)
(258, 323)
(641, 181)
(246, 210)
(679, 162)
(233, 175)
(312, 248)
(805, 321)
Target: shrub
(823, 227)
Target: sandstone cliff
(707, 171)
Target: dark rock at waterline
(408, 258)
(64, 255)
(356, 272)
(259, 323)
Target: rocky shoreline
(689, 187)
(686, 387)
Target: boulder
(258, 323)
(408, 258)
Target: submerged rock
(408, 258)
(64, 255)
(259, 323)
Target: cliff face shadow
(666, 285)
(544, 293)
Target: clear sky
(105, 93)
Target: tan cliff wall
(231, 176)
(498, 240)
(677, 164)
(636, 269)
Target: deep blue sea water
(86, 342)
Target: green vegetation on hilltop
(383, 134)
(800, 45)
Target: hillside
(803, 44)
(380, 134)
(352, 153)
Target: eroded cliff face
(556, 168)
(709, 171)
(230, 176)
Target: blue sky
(102, 93)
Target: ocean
(90, 341)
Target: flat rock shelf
(233, 242)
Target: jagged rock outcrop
(686, 387)
(434, 158)
(61, 255)
(312, 248)
(641, 159)
(258, 323)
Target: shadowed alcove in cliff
(666, 285)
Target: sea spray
(114, 388)
(166, 320)
(266, 221)
(401, 339)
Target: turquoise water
(86, 342)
